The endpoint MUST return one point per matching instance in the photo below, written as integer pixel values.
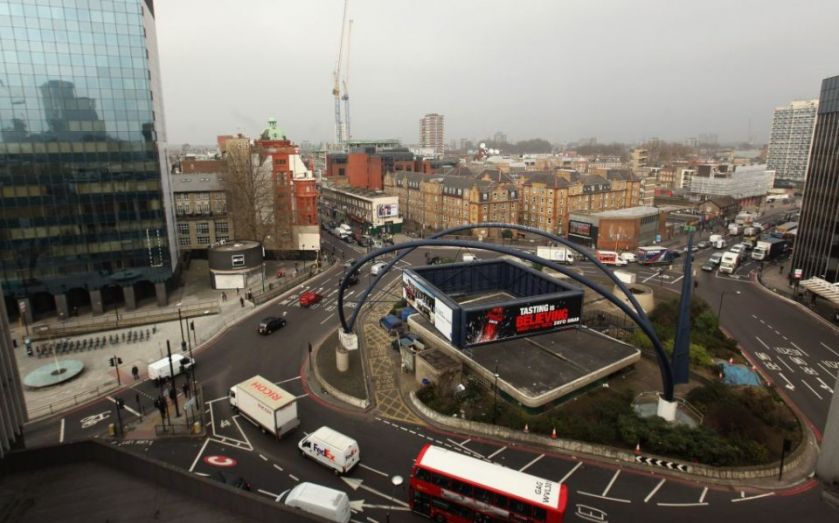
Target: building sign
(443, 319)
(387, 210)
(418, 296)
(579, 228)
(237, 260)
(499, 323)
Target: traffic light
(111, 361)
(120, 403)
(115, 361)
(183, 346)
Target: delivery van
(332, 449)
(161, 369)
(325, 502)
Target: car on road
(309, 298)
(709, 266)
(348, 263)
(352, 278)
(270, 324)
(715, 258)
(628, 257)
(704, 244)
(694, 249)
(377, 268)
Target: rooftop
(629, 212)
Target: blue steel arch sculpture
(640, 319)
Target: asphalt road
(598, 492)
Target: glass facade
(85, 195)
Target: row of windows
(483, 495)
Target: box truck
(268, 406)
(557, 254)
(160, 369)
(610, 258)
(769, 248)
(332, 449)
(717, 241)
(729, 262)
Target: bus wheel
(439, 518)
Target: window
(237, 260)
(183, 241)
(202, 228)
(183, 229)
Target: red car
(309, 298)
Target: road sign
(797, 274)
(220, 461)
(21, 305)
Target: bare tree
(249, 186)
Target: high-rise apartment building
(86, 211)
(790, 140)
(431, 132)
(817, 245)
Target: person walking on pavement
(241, 301)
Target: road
(598, 492)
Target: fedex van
(332, 449)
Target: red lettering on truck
(264, 389)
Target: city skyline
(620, 72)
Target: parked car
(704, 244)
(715, 258)
(377, 268)
(270, 324)
(628, 257)
(709, 266)
(309, 298)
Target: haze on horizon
(559, 70)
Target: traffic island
(348, 386)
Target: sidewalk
(98, 377)
(774, 278)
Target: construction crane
(346, 96)
(336, 76)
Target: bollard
(112, 429)
(196, 427)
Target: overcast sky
(617, 70)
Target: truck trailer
(557, 254)
(769, 248)
(268, 406)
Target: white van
(160, 369)
(332, 449)
(325, 502)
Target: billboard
(387, 210)
(421, 299)
(535, 316)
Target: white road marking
(269, 494)
(534, 460)
(573, 470)
(242, 432)
(295, 478)
(371, 469)
(327, 318)
(371, 520)
(286, 381)
(61, 432)
(811, 389)
(125, 406)
(263, 457)
(467, 449)
(198, 456)
(202, 474)
(609, 486)
(828, 348)
(790, 386)
(762, 343)
(677, 279)
(655, 489)
(736, 500)
(799, 348)
(278, 467)
(828, 371)
(497, 452)
(825, 385)
(777, 332)
(754, 316)
(682, 504)
(702, 497)
(785, 364)
(464, 442)
(598, 496)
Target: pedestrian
(186, 390)
(135, 372)
(250, 296)
(781, 269)
(223, 296)
(241, 301)
(237, 291)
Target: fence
(615, 325)
(66, 402)
(121, 321)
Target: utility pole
(173, 394)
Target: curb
(337, 394)
(809, 311)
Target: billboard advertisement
(537, 316)
(421, 299)
(387, 210)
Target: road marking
(464, 442)
(295, 478)
(824, 386)
(762, 343)
(573, 470)
(61, 432)
(242, 432)
(754, 316)
(497, 452)
(649, 278)
(609, 486)
(371, 469)
(537, 458)
(702, 497)
(736, 500)
(799, 348)
(785, 338)
(786, 364)
(677, 279)
(467, 449)
(269, 494)
(125, 406)
(203, 474)
(654, 490)
(789, 384)
(263, 457)
(201, 451)
(371, 520)
(811, 389)
(828, 348)
(278, 467)
(682, 504)
(286, 381)
(830, 372)
(598, 496)
(355, 484)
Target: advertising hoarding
(421, 299)
(387, 210)
(535, 316)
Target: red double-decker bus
(451, 487)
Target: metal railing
(42, 411)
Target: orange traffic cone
(553, 433)
(526, 430)
(638, 449)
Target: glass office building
(85, 210)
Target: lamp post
(395, 481)
(719, 309)
(495, 392)
(181, 325)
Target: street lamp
(495, 391)
(181, 325)
(719, 309)
(395, 481)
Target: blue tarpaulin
(739, 375)
(390, 322)
(407, 311)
